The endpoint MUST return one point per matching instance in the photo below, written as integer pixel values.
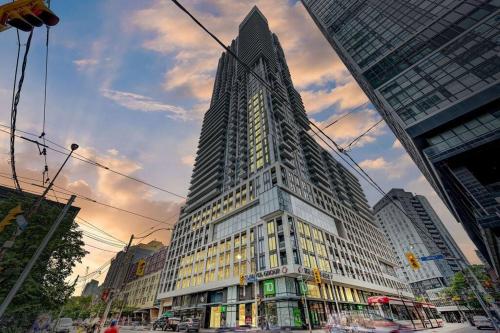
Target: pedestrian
(113, 328)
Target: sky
(129, 81)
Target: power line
(13, 113)
(96, 228)
(353, 142)
(87, 160)
(98, 248)
(42, 135)
(344, 116)
(64, 191)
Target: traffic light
(141, 265)
(242, 280)
(412, 260)
(26, 14)
(317, 275)
(11, 216)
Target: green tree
(46, 288)
(461, 291)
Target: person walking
(113, 328)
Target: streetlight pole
(37, 203)
(256, 288)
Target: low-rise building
(142, 284)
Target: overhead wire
(340, 150)
(45, 172)
(64, 191)
(359, 137)
(345, 115)
(13, 113)
(102, 231)
(87, 160)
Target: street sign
(250, 278)
(434, 257)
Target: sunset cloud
(351, 126)
(347, 96)
(393, 169)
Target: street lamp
(255, 283)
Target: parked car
(64, 325)
(160, 323)
(482, 322)
(189, 325)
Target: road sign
(250, 278)
(434, 257)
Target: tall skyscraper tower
(432, 69)
(267, 206)
(414, 227)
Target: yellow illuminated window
(273, 260)
(270, 228)
(272, 243)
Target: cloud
(195, 54)
(347, 96)
(143, 103)
(351, 126)
(397, 144)
(394, 169)
(83, 64)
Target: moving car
(482, 322)
(64, 325)
(189, 325)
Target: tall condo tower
(267, 206)
(414, 227)
(432, 69)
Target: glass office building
(432, 69)
(267, 205)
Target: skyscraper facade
(414, 227)
(432, 69)
(267, 205)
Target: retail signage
(269, 288)
(268, 273)
(223, 308)
(308, 271)
(297, 317)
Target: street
(448, 328)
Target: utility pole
(35, 257)
(62, 306)
(118, 280)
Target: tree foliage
(46, 287)
(460, 290)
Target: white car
(482, 322)
(64, 325)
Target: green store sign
(223, 308)
(269, 288)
